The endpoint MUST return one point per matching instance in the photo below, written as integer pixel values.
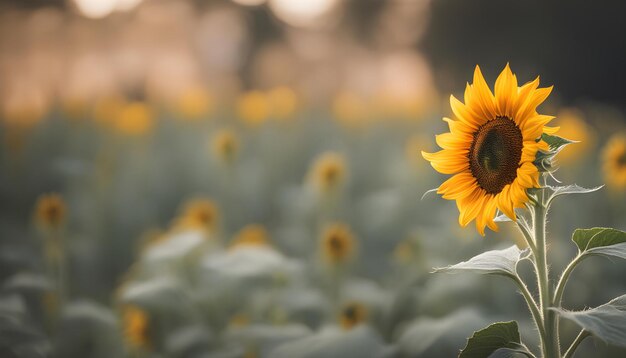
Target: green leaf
(498, 262)
(555, 143)
(488, 340)
(597, 237)
(607, 322)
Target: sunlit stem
(523, 228)
(560, 287)
(532, 306)
(581, 337)
(551, 342)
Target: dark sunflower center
(621, 160)
(495, 154)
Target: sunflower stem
(550, 342)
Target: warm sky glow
(301, 12)
(97, 9)
(250, 2)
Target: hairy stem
(581, 337)
(551, 347)
(560, 287)
(532, 306)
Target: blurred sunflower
(350, 109)
(572, 126)
(284, 102)
(337, 244)
(328, 172)
(225, 145)
(135, 118)
(352, 314)
(251, 235)
(194, 103)
(253, 107)
(50, 211)
(199, 214)
(136, 324)
(490, 148)
(614, 159)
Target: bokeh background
(241, 178)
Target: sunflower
(134, 119)
(194, 103)
(225, 145)
(491, 146)
(352, 314)
(572, 124)
(251, 235)
(136, 327)
(253, 107)
(50, 211)
(199, 214)
(328, 172)
(337, 243)
(614, 157)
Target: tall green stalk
(550, 346)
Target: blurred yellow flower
(253, 107)
(284, 102)
(404, 252)
(251, 235)
(199, 214)
(614, 162)
(194, 103)
(136, 324)
(337, 244)
(350, 109)
(239, 320)
(107, 109)
(491, 147)
(328, 172)
(135, 118)
(352, 314)
(225, 146)
(75, 107)
(50, 211)
(572, 126)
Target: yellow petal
(530, 105)
(457, 186)
(448, 161)
(505, 204)
(454, 140)
(482, 98)
(506, 92)
(465, 114)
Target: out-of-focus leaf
(361, 342)
(26, 281)
(427, 337)
(156, 292)
(188, 341)
(266, 337)
(488, 340)
(607, 322)
(497, 262)
(249, 261)
(88, 330)
(587, 239)
(175, 246)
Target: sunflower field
(311, 178)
